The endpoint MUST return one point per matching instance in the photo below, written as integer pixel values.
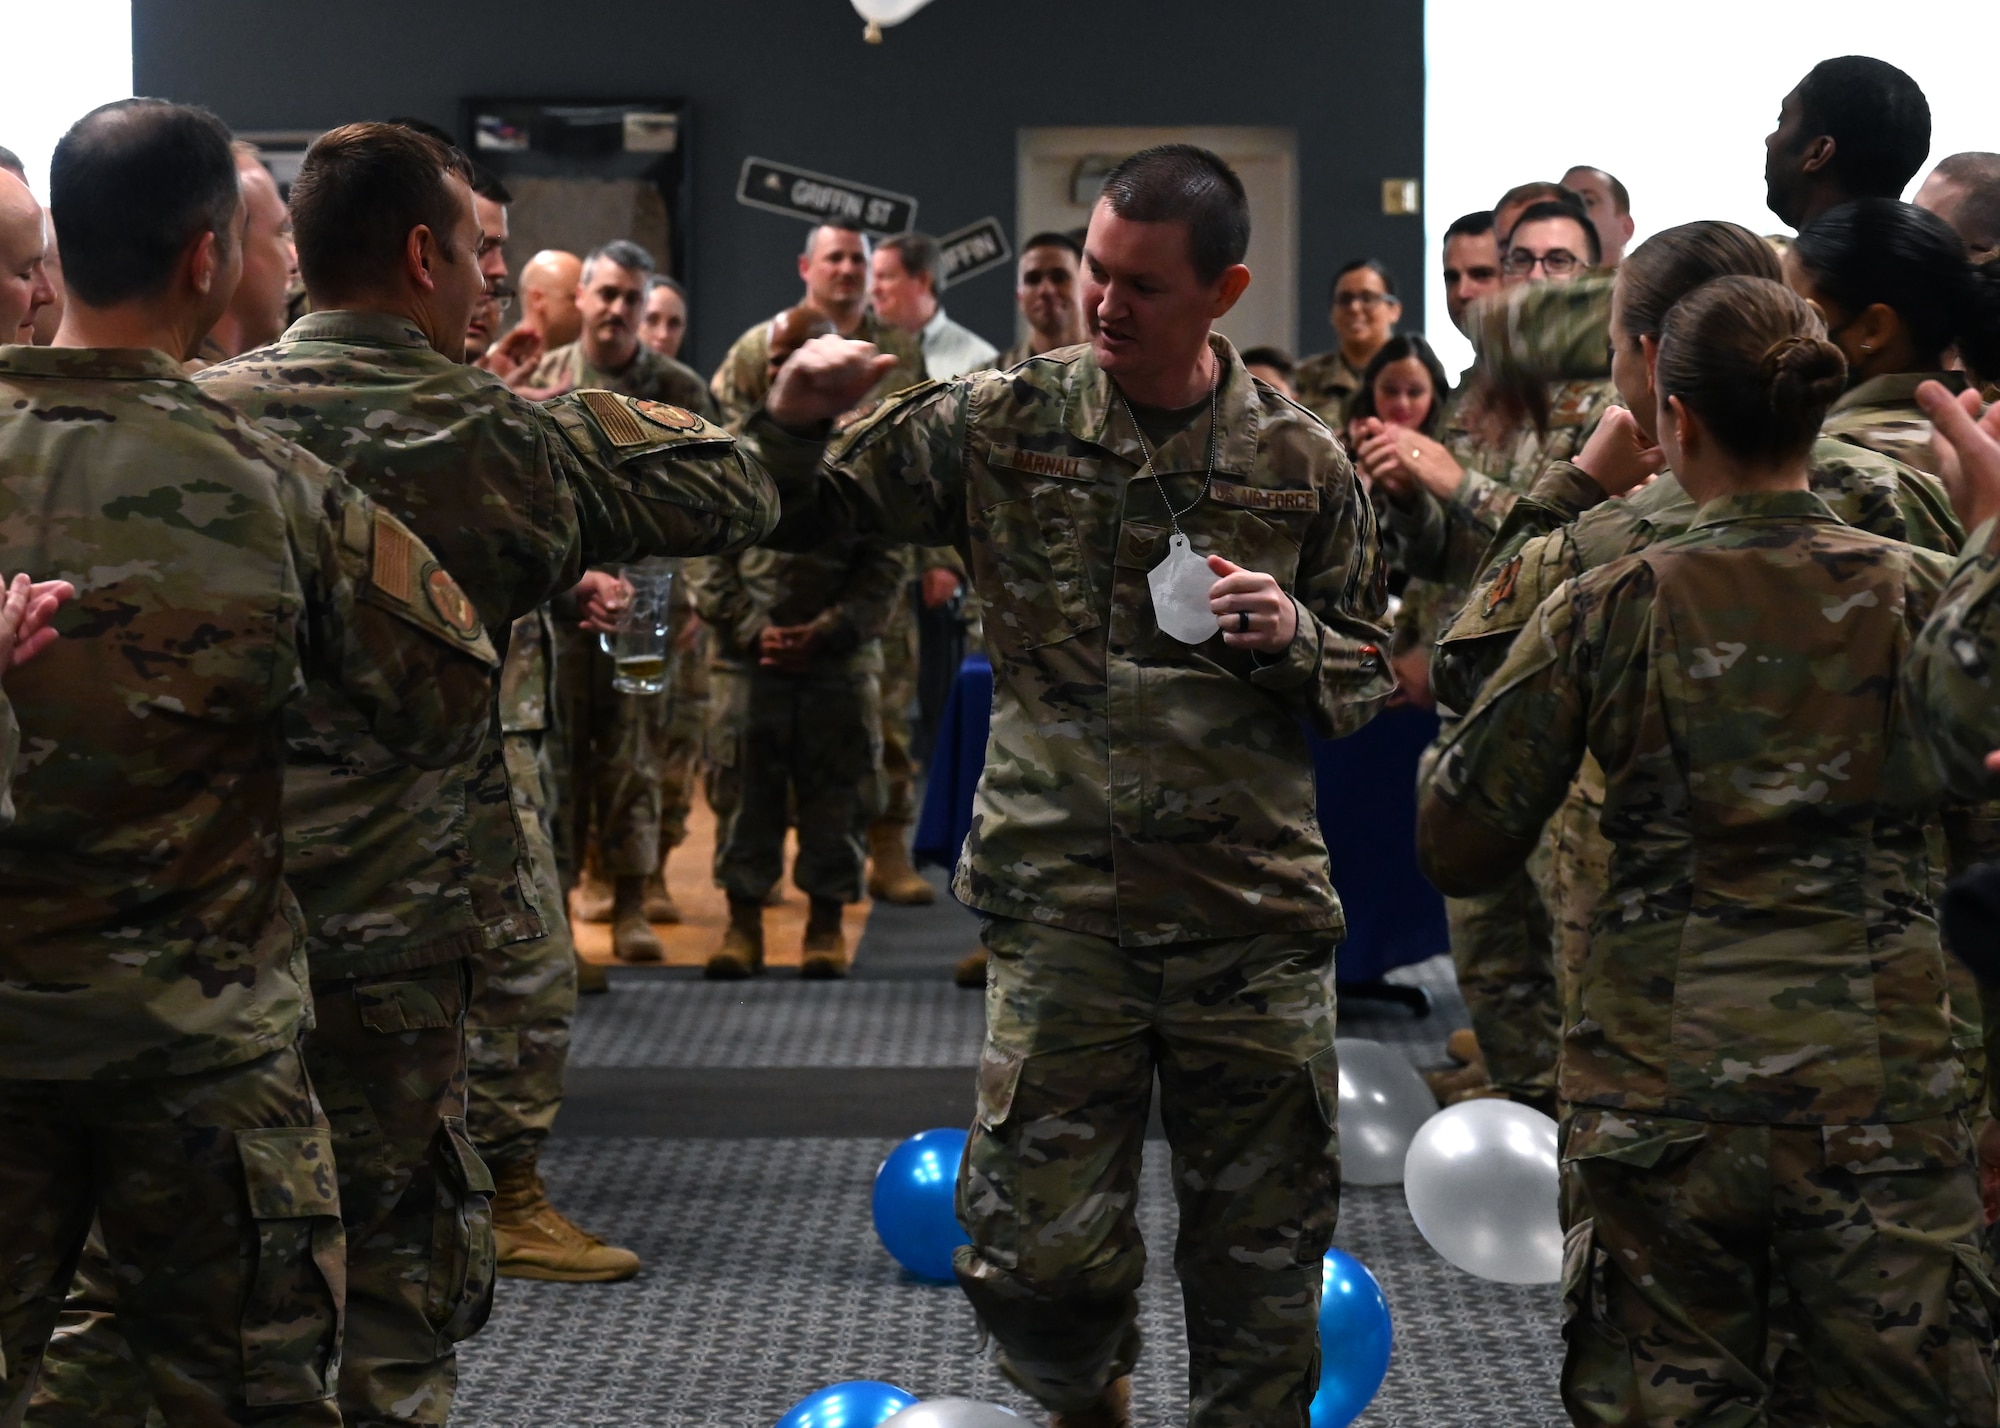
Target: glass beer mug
(638, 648)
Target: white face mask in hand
(1180, 586)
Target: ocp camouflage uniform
(153, 981)
(1882, 415)
(1145, 852)
(623, 777)
(1327, 384)
(402, 874)
(1949, 679)
(811, 739)
(1546, 344)
(1762, 1069)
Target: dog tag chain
(1180, 583)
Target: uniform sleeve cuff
(1300, 661)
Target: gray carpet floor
(730, 1134)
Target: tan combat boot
(1113, 1409)
(632, 940)
(742, 952)
(594, 898)
(890, 876)
(590, 978)
(660, 904)
(532, 1239)
(971, 970)
(826, 942)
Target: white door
(1060, 171)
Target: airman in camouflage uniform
(153, 982)
(1326, 384)
(1144, 852)
(1758, 1063)
(797, 731)
(1882, 415)
(1949, 678)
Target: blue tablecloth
(1367, 809)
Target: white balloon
(1383, 1104)
(1480, 1180)
(954, 1413)
(888, 12)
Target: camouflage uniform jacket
(847, 586)
(1135, 787)
(1764, 951)
(1566, 525)
(648, 376)
(1949, 680)
(145, 925)
(1326, 387)
(1014, 356)
(743, 379)
(527, 677)
(1882, 415)
(399, 868)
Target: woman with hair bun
(1766, 1103)
(1898, 294)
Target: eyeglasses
(1370, 300)
(502, 295)
(1557, 262)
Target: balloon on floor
(955, 1413)
(1481, 1185)
(1354, 1339)
(913, 1203)
(1383, 1104)
(858, 1403)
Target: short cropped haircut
(1373, 265)
(1276, 358)
(131, 185)
(1539, 191)
(1978, 216)
(1551, 208)
(11, 162)
(1877, 117)
(920, 256)
(1470, 225)
(361, 189)
(621, 251)
(812, 237)
(1620, 199)
(1055, 240)
(1180, 183)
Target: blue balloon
(913, 1203)
(1354, 1336)
(858, 1403)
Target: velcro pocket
(459, 1294)
(294, 1308)
(1647, 1142)
(1892, 1149)
(999, 1077)
(418, 1004)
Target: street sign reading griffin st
(821, 198)
(973, 250)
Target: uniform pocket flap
(410, 1006)
(1890, 1149)
(1644, 1141)
(462, 1163)
(289, 1172)
(999, 1074)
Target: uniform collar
(1093, 413)
(90, 363)
(1763, 506)
(375, 329)
(1894, 389)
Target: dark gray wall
(933, 112)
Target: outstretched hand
(824, 378)
(1967, 446)
(25, 612)
(1272, 617)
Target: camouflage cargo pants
(388, 1058)
(1867, 1236)
(1503, 949)
(679, 753)
(217, 1197)
(1240, 1034)
(607, 766)
(898, 693)
(523, 1003)
(807, 744)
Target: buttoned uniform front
(153, 972)
(1145, 848)
(402, 873)
(1762, 1067)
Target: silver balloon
(1383, 1104)
(954, 1413)
(1481, 1185)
